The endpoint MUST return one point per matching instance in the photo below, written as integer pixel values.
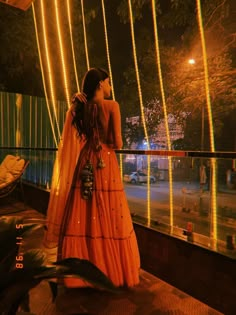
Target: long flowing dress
(100, 228)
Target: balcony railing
(190, 195)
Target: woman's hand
(82, 97)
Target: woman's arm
(116, 126)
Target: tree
(134, 129)
(18, 50)
(178, 40)
(19, 58)
(184, 83)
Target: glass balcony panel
(195, 201)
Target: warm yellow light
(110, 70)
(137, 74)
(214, 202)
(1, 115)
(30, 122)
(158, 59)
(141, 108)
(48, 59)
(43, 75)
(206, 76)
(85, 36)
(72, 44)
(191, 61)
(107, 48)
(62, 50)
(211, 128)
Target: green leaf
(82, 268)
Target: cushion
(10, 168)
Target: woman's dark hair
(84, 115)
(91, 81)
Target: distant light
(191, 61)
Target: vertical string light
(41, 119)
(85, 36)
(35, 123)
(42, 72)
(110, 70)
(158, 59)
(48, 61)
(62, 54)
(206, 75)
(137, 73)
(2, 120)
(8, 121)
(211, 129)
(30, 122)
(14, 114)
(141, 108)
(107, 48)
(72, 43)
(19, 101)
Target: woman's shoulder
(111, 104)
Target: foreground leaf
(82, 268)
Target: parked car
(138, 177)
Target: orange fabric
(63, 171)
(100, 229)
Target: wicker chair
(11, 171)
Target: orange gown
(100, 229)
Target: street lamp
(191, 61)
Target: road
(189, 204)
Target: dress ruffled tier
(100, 229)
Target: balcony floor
(152, 297)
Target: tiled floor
(152, 297)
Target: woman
(95, 223)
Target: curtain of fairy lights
(1, 116)
(110, 69)
(141, 107)
(211, 128)
(46, 66)
(85, 35)
(107, 48)
(30, 122)
(62, 52)
(158, 60)
(49, 71)
(35, 120)
(72, 43)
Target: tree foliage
(184, 83)
(18, 50)
(179, 40)
(19, 58)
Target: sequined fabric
(99, 228)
